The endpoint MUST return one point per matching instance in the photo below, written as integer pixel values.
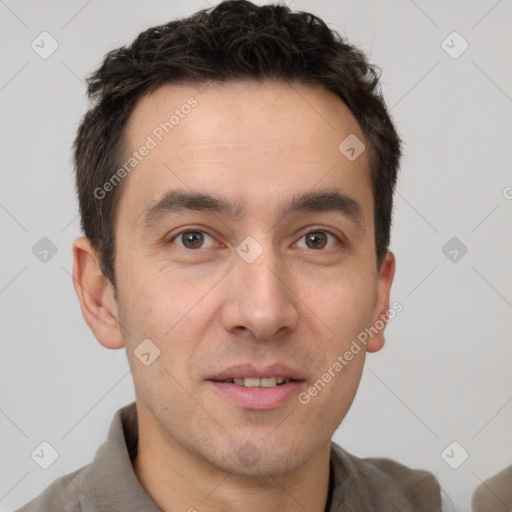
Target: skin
(207, 309)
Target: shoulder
(62, 495)
(495, 493)
(384, 482)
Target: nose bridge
(260, 299)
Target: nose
(260, 298)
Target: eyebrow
(176, 201)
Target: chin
(261, 459)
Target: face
(245, 253)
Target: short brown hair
(236, 40)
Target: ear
(96, 295)
(384, 281)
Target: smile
(263, 382)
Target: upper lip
(257, 372)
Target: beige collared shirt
(109, 483)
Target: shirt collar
(110, 482)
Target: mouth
(254, 382)
(258, 389)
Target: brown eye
(318, 239)
(191, 239)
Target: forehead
(311, 115)
(256, 140)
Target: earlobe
(380, 312)
(95, 294)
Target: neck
(177, 479)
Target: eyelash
(338, 239)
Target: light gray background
(445, 372)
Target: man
(235, 177)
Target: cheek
(173, 314)
(153, 305)
(328, 399)
(345, 305)
(159, 326)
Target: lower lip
(259, 398)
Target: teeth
(250, 382)
(268, 382)
(264, 382)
